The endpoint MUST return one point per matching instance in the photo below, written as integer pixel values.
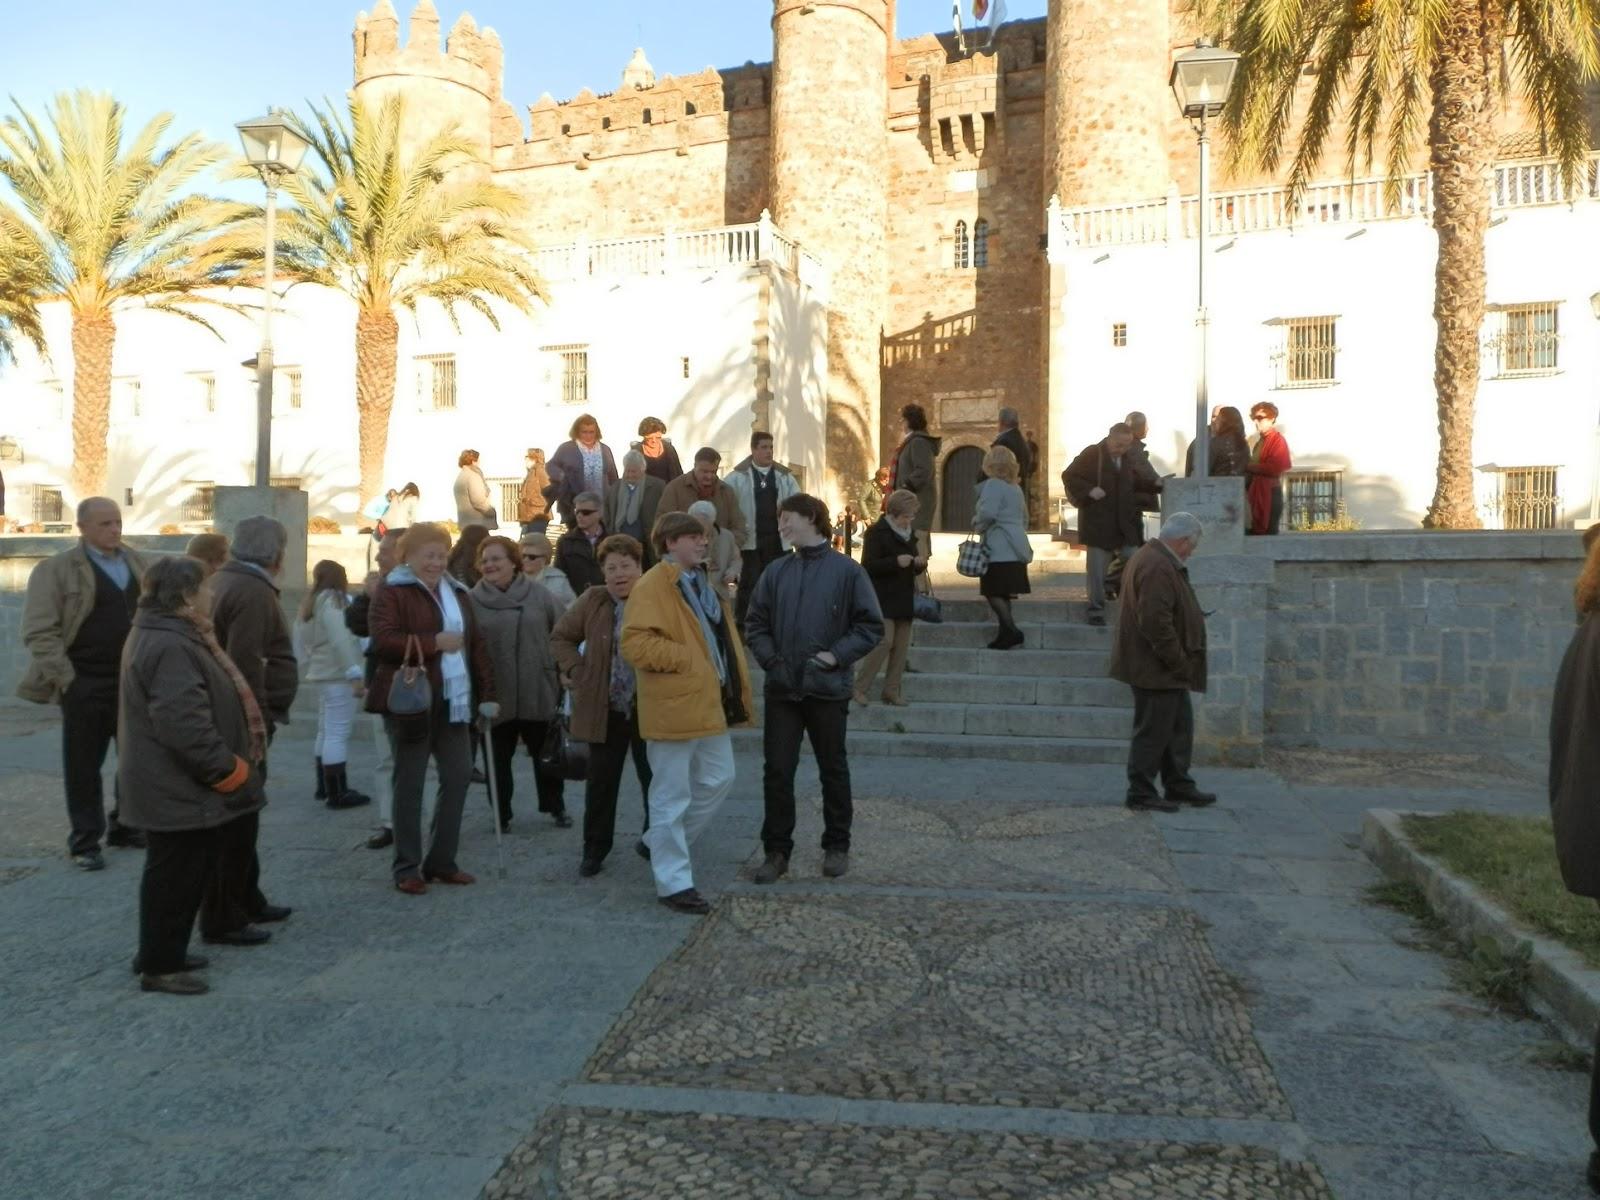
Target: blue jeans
(1099, 560)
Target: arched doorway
(962, 470)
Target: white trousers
(689, 781)
(336, 713)
(383, 774)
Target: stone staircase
(1047, 701)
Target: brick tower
(830, 190)
(1107, 105)
(458, 86)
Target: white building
(1329, 316)
(699, 329)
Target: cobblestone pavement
(1019, 991)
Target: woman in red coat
(1269, 460)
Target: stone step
(943, 570)
(993, 720)
(1059, 635)
(1027, 661)
(965, 606)
(1005, 749)
(926, 687)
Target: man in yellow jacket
(692, 685)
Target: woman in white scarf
(421, 608)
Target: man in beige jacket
(78, 612)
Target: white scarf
(453, 663)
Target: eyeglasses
(586, 512)
(530, 554)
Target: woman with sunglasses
(575, 552)
(537, 556)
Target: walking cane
(487, 712)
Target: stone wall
(1416, 639)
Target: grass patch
(1513, 859)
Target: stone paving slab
(1100, 1008)
(983, 842)
(585, 1154)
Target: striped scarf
(247, 698)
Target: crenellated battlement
(470, 57)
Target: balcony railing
(1520, 184)
(697, 250)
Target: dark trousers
(607, 760)
(1163, 740)
(177, 866)
(88, 728)
(415, 740)
(503, 741)
(233, 896)
(824, 722)
(755, 562)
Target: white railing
(1353, 202)
(698, 250)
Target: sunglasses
(586, 512)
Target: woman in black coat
(1230, 449)
(892, 559)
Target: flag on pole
(955, 15)
(992, 10)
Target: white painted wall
(638, 329)
(1379, 421)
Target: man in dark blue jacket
(813, 616)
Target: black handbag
(925, 606)
(410, 693)
(562, 754)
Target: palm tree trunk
(94, 336)
(377, 343)
(1461, 136)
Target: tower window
(963, 247)
(689, 109)
(566, 129)
(647, 116)
(605, 122)
(980, 244)
(1119, 334)
(686, 366)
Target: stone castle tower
(829, 188)
(919, 176)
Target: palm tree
(114, 224)
(391, 225)
(24, 274)
(1392, 70)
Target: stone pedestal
(234, 504)
(1218, 502)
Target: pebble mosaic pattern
(587, 1154)
(1091, 1007)
(982, 845)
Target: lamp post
(1594, 481)
(1201, 80)
(274, 149)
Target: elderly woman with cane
(192, 741)
(432, 666)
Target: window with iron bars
(436, 381)
(129, 399)
(980, 244)
(294, 386)
(1313, 498)
(48, 507)
(201, 505)
(1310, 348)
(1527, 497)
(963, 247)
(205, 391)
(574, 373)
(1528, 341)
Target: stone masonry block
(1349, 601)
(1480, 646)
(1368, 639)
(1453, 658)
(1424, 671)
(1510, 640)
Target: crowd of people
(629, 637)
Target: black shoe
(686, 901)
(272, 912)
(89, 861)
(1151, 804)
(340, 793)
(322, 783)
(589, 867)
(562, 819)
(381, 839)
(191, 962)
(246, 935)
(505, 825)
(773, 869)
(174, 985)
(1195, 799)
(128, 839)
(835, 863)
(642, 850)
(1010, 639)
(1096, 619)
(349, 798)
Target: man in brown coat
(1160, 652)
(249, 623)
(702, 483)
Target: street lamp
(274, 149)
(1201, 80)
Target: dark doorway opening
(962, 471)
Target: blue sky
(213, 64)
